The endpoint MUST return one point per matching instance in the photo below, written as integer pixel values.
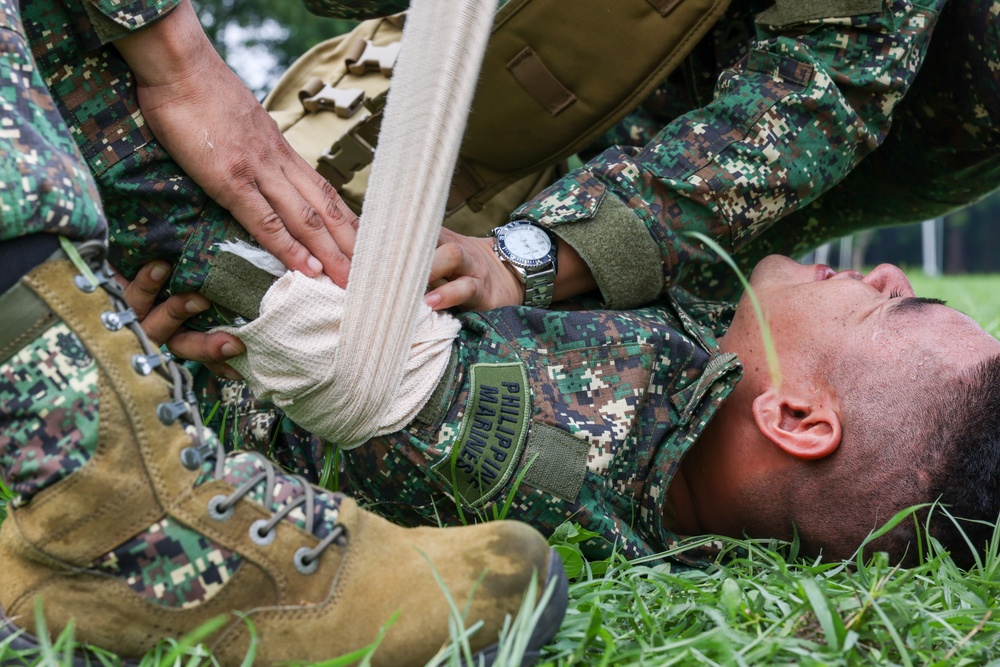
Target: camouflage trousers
(44, 183)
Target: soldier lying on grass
(651, 424)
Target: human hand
(164, 323)
(467, 274)
(210, 123)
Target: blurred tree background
(261, 38)
(970, 241)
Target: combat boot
(130, 520)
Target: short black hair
(967, 482)
(907, 445)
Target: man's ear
(806, 429)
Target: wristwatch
(529, 250)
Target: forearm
(787, 124)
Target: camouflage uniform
(49, 389)
(128, 521)
(758, 124)
(580, 415)
(765, 117)
(793, 111)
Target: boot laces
(89, 258)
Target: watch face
(526, 242)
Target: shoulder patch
(492, 433)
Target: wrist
(170, 50)
(574, 276)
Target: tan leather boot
(130, 520)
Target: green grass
(759, 605)
(974, 295)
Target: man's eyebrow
(913, 304)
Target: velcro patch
(491, 436)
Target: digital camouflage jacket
(786, 127)
(562, 415)
(777, 114)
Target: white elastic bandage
(384, 324)
(290, 347)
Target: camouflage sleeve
(113, 19)
(787, 123)
(356, 9)
(44, 183)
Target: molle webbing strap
(539, 82)
(557, 75)
(545, 92)
(784, 13)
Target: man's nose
(889, 279)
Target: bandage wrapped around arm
(291, 349)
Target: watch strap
(539, 288)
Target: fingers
(449, 260)
(211, 349)
(317, 216)
(163, 321)
(292, 211)
(141, 292)
(463, 292)
(160, 322)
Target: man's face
(827, 324)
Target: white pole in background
(931, 247)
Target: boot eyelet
(258, 536)
(84, 285)
(219, 514)
(111, 321)
(191, 458)
(303, 564)
(171, 411)
(144, 364)
(117, 320)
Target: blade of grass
(774, 367)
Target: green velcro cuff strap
(786, 13)
(621, 254)
(557, 461)
(235, 283)
(25, 315)
(491, 435)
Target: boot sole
(549, 623)
(20, 641)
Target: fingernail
(196, 304)
(315, 265)
(158, 272)
(432, 300)
(230, 350)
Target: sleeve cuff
(621, 254)
(111, 24)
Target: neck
(706, 490)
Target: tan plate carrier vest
(557, 74)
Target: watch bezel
(546, 260)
